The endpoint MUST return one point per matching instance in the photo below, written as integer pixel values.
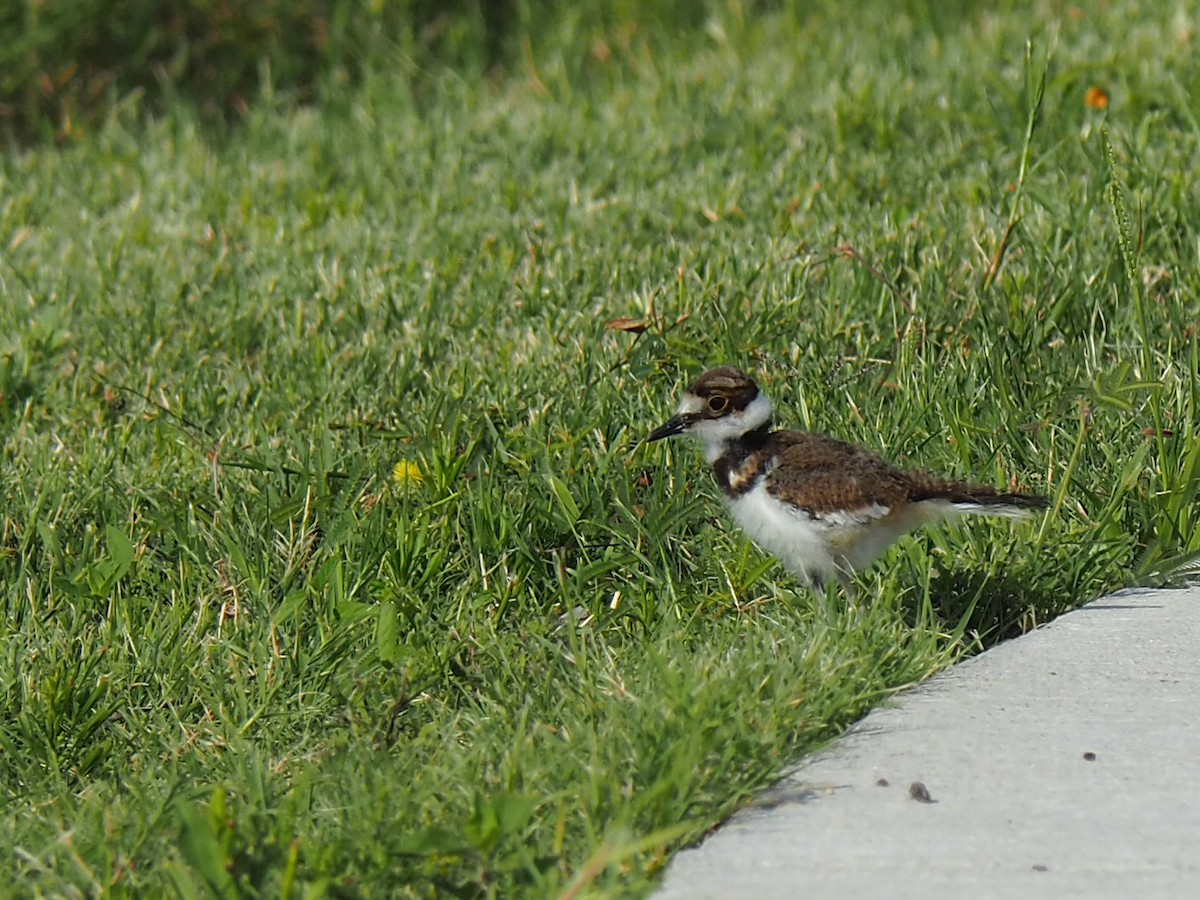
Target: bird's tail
(981, 500)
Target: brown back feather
(821, 474)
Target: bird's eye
(718, 403)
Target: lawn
(331, 563)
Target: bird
(824, 507)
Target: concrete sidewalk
(1065, 763)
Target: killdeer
(822, 506)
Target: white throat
(718, 434)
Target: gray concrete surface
(999, 742)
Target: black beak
(673, 426)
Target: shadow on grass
(992, 606)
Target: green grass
(241, 657)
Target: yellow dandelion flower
(1096, 98)
(406, 474)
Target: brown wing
(823, 475)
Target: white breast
(831, 545)
(801, 542)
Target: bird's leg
(845, 577)
(820, 583)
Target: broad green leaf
(200, 847)
(120, 550)
(565, 500)
(387, 633)
(431, 839)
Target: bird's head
(720, 406)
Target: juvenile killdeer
(822, 506)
